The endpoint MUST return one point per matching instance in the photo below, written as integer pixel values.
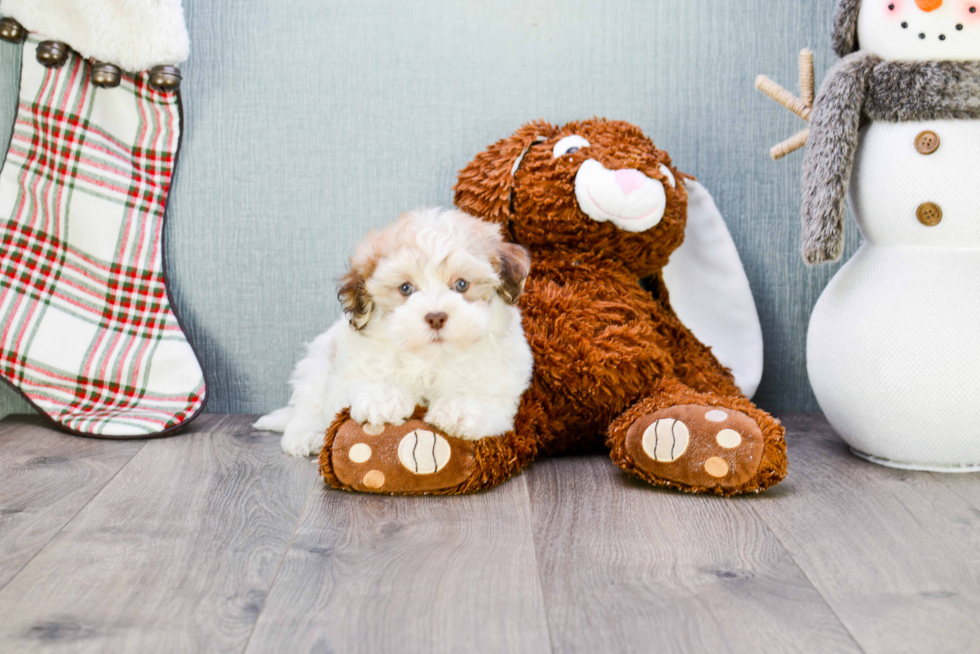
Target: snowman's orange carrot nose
(929, 5)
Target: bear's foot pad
(410, 459)
(697, 446)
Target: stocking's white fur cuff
(132, 34)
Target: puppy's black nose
(436, 320)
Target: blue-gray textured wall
(308, 122)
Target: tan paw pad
(412, 458)
(716, 467)
(374, 479)
(424, 452)
(729, 439)
(716, 415)
(359, 452)
(696, 446)
(666, 440)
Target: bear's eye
(406, 289)
(569, 145)
(462, 285)
(669, 175)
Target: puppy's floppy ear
(513, 264)
(484, 186)
(354, 297)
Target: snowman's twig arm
(782, 96)
(807, 77)
(790, 145)
(829, 158)
(801, 106)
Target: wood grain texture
(46, 477)
(380, 574)
(215, 541)
(175, 554)
(966, 486)
(894, 553)
(628, 568)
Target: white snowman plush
(894, 343)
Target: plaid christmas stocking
(87, 331)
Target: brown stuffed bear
(600, 208)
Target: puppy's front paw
(302, 443)
(467, 418)
(303, 435)
(379, 404)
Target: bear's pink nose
(929, 5)
(629, 180)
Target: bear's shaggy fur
(604, 347)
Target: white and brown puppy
(431, 320)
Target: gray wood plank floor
(214, 541)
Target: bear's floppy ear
(485, 185)
(709, 291)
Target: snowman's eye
(569, 145)
(891, 7)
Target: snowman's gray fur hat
(845, 40)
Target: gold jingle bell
(165, 78)
(52, 54)
(106, 76)
(11, 31)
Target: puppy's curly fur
(431, 320)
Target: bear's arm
(694, 364)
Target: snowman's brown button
(927, 142)
(929, 214)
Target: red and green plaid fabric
(87, 332)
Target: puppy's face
(434, 280)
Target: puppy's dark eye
(406, 289)
(462, 285)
